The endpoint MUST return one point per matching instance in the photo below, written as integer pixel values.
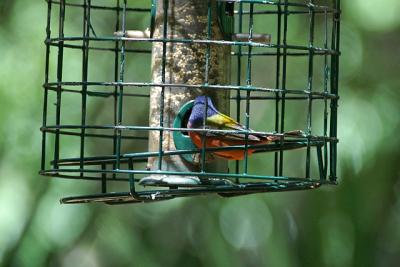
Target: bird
(216, 120)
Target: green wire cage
(121, 76)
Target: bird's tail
(271, 138)
(268, 144)
(288, 144)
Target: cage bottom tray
(171, 193)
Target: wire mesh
(96, 95)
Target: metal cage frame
(107, 169)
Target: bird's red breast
(215, 142)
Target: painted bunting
(217, 120)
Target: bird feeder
(121, 78)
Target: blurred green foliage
(353, 224)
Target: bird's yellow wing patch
(222, 121)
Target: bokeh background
(353, 224)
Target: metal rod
(46, 93)
(103, 178)
(206, 81)
(284, 91)
(59, 80)
(249, 83)
(85, 67)
(334, 90)
(117, 52)
(121, 88)
(162, 95)
(326, 78)
(189, 41)
(310, 83)
(238, 79)
(277, 82)
(197, 86)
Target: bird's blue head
(196, 118)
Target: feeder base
(181, 181)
